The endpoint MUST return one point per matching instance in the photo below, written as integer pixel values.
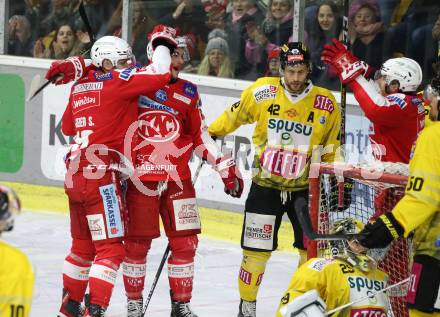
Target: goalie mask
(9, 208)
(341, 248)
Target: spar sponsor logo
(83, 101)
(264, 92)
(323, 103)
(186, 214)
(158, 126)
(112, 212)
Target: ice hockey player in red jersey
(171, 128)
(98, 118)
(390, 103)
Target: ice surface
(45, 238)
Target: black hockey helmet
(294, 53)
(10, 206)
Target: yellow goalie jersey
(339, 283)
(288, 128)
(419, 209)
(16, 282)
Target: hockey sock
(302, 257)
(251, 273)
(134, 267)
(181, 267)
(76, 276)
(103, 272)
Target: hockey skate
(94, 310)
(69, 307)
(247, 309)
(134, 307)
(181, 309)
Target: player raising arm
(102, 106)
(292, 118)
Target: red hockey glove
(163, 35)
(348, 66)
(72, 68)
(381, 232)
(231, 177)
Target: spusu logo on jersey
(158, 126)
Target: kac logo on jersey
(161, 95)
(158, 126)
(189, 89)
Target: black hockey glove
(380, 233)
(335, 202)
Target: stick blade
(33, 87)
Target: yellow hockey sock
(251, 273)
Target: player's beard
(295, 87)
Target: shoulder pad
(319, 264)
(398, 99)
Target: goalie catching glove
(230, 175)
(70, 69)
(309, 304)
(381, 232)
(348, 66)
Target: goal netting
(377, 187)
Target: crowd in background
(234, 38)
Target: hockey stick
(346, 42)
(156, 279)
(83, 15)
(334, 310)
(167, 251)
(304, 220)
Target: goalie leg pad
(134, 267)
(423, 294)
(181, 267)
(251, 273)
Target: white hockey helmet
(112, 48)
(404, 70)
(9, 207)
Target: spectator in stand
(243, 12)
(98, 12)
(326, 25)
(65, 43)
(142, 23)
(215, 13)
(61, 13)
(216, 61)
(273, 63)
(277, 26)
(188, 17)
(20, 41)
(367, 33)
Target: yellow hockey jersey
(419, 209)
(288, 130)
(339, 283)
(16, 282)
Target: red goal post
(377, 187)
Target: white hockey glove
(309, 304)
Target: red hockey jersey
(170, 127)
(396, 119)
(102, 107)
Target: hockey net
(377, 188)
